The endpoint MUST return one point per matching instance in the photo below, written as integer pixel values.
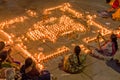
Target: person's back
(30, 72)
(107, 50)
(72, 63)
(2, 45)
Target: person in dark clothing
(73, 63)
(2, 45)
(29, 70)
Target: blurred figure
(2, 45)
(114, 5)
(109, 48)
(29, 71)
(3, 57)
(7, 49)
(4, 61)
(8, 69)
(73, 63)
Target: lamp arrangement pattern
(52, 28)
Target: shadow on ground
(114, 64)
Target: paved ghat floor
(47, 27)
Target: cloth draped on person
(106, 51)
(70, 63)
(9, 65)
(29, 73)
(32, 73)
(7, 73)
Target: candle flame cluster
(26, 53)
(51, 29)
(48, 11)
(85, 49)
(52, 32)
(31, 13)
(104, 31)
(12, 21)
(64, 7)
(7, 38)
(60, 51)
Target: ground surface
(24, 21)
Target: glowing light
(60, 51)
(104, 31)
(4, 36)
(26, 53)
(52, 32)
(48, 11)
(84, 49)
(51, 29)
(31, 13)
(12, 21)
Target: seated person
(29, 71)
(4, 61)
(73, 63)
(7, 49)
(7, 68)
(109, 48)
(11, 59)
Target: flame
(60, 51)
(31, 13)
(12, 21)
(42, 31)
(85, 49)
(52, 32)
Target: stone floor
(95, 69)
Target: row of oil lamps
(52, 32)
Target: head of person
(77, 50)
(3, 56)
(28, 62)
(113, 38)
(108, 1)
(2, 45)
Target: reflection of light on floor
(64, 7)
(12, 21)
(52, 32)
